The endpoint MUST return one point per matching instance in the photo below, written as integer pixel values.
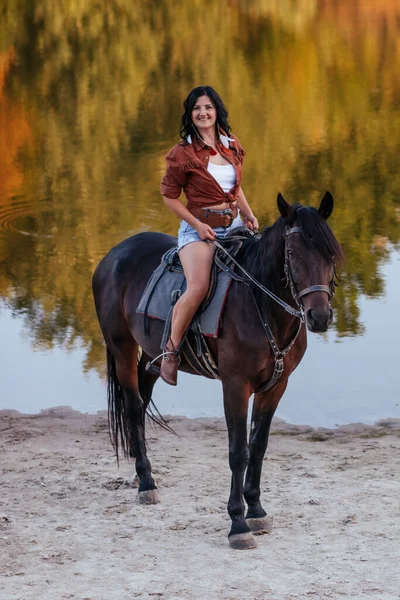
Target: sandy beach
(71, 525)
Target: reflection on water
(353, 380)
(90, 101)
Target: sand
(71, 525)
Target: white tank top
(225, 175)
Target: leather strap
(315, 288)
(215, 218)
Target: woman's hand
(251, 222)
(205, 231)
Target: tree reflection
(90, 101)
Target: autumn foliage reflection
(313, 92)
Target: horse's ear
(326, 206)
(284, 208)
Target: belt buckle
(230, 215)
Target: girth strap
(194, 362)
(203, 352)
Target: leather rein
(279, 355)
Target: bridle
(297, 296)
(330, 290)
(279, 355)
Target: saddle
(166, 285)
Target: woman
(207, 165)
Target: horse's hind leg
(264, 408)
(127, 411)
(147, 381)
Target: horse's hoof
(242, 541)
(260, 526)
(149, 497)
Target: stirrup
(152, 369)
(164, 355)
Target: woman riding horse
(207, 165)
(287, 281)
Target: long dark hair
(187, 126)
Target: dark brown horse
(262, 341)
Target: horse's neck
(266, 264)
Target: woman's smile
(204, 113)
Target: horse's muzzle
(318, 319)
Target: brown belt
(215, 218)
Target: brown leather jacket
(187, 169)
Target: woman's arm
(249, 219)
(205, 232)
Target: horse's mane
(265, 254)
(317, 234)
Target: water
(339, 381)
(90, 104)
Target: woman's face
(204, 114)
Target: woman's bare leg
(196, 259)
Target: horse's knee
(239, 459)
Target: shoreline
(279, 426)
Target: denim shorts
(187, 234)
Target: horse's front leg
(264, 407)
(236, 401)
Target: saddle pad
(156, 298)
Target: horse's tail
(117, 418)
(121, 418)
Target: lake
(90, 103)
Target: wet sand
(71, 525)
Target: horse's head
(311, 255)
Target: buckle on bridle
(302, 313)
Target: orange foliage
(15, 133)
(373, 14)
(7, 59)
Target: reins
(293, 311)
(279, 355)
(295, 294)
